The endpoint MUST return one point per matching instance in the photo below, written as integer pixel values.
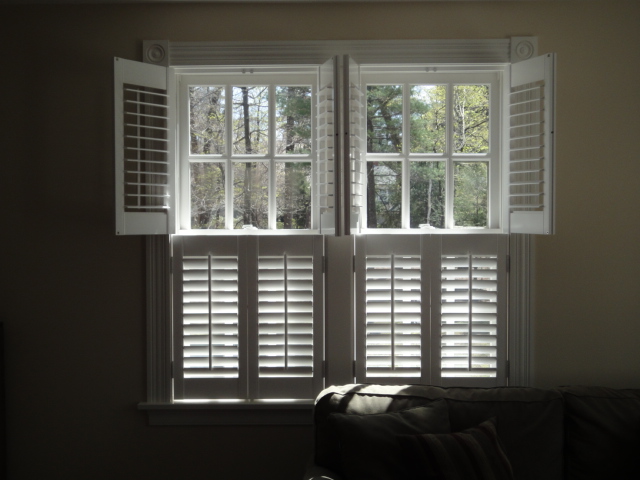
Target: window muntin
(433, 150)
(247, 157)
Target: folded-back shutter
(209, 317)
(354, 164)
(531, 156)
(286, 316)
(392, 295)
(327, 109)
(144, 163)
(469, 310)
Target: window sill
(265, 412)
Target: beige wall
(72, 293)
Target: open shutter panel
(143, 149)
(209, 313)
(470, 310)
(354, 164)
(392, 295)
(326, 134)
(287, 321)
(531, 138)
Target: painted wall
(72, 293)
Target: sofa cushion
(602, 433)
(473, 454)
(530, 420)
(367, 444)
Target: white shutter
(531, 155)
(470, 310)
(392, 292)
(209, 317)
(327, 109)
(355, 162)
(144, 163)
(287, 324)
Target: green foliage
(384, 118)
(470, 191)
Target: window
(395, 151)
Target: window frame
(159, 406)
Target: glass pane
(470, 194)
(293, 195)
(206, 120)
(426, 193)
(293, 120)
(250, 194)
(384, 118)
(428, 118)
(384, 194)
(207, 195)
(471, 118)
(250, 120)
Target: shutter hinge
(508, 373)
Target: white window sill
(265, 412)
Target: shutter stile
(326, 146)
(210, 317)
(393, 316)
(357, 161)
(285, 316)
(469, 315)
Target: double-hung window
(398, 178)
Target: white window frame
(158, 403)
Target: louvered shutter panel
(288, 317)
(327, 109)
(469, 310)
(144, 162)
(391, 310)
(531, 156)
(355, 167)
(209, 314)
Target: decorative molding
(156, 52)
(158, 258)
(523, 48)
(317, 52)
(520, 304)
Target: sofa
(376, 432)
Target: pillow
(367, 443)
(473, 454)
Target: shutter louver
(393, 316)
(326, 111)
(210, 317)
(469, 316)
(285, 316)
(531, 156)
(144, 163)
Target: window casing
(329, 348)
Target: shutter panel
(391, 295)
(472, 310)
(326, 151)
(143, 149)
(531, 138)
(209, 317)
(289, 320)
(355, 167)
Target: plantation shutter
(354, 159)
(327, 122)
(144, 161)
(392, 308)
(286, 317)
(210, 285)
(531, 136)
(469, 310)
